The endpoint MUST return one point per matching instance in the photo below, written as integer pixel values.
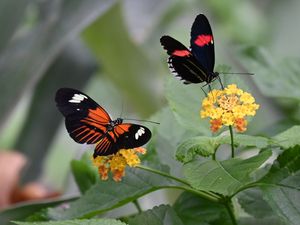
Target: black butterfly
(195, 65)
(87, 122)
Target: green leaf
(22, 211)
(76, 222)
(281, 186)
(285, 199)
(12, 11)
(206, 146)
(194, 210)
(107, 195)
(224, 177)
(286, 165)
(277, 77)
(85, 175)
(122, 60)
(72, 68)
(35, 50)
(167, 137)
(252, 202)
(288, 138)
(185, 102)
(159, 215)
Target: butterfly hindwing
(86, 121)
(123, 136)
(202, 42)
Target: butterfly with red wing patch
(87, 122)
(195, 65)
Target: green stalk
(207, 195)
(232, 144)
(137, 205)
(228, 205)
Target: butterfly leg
(220, 81)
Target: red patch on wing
(203, 39)
(181, 53)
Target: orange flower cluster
(117, 163)
(228, 107)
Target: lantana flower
(228, 107)
(117, 163)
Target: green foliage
(76, 222)
(194, 210)
(206, 146)
(106, 195)
(45, 45)
(224, 177)
(159, 215)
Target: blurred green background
(111, 51)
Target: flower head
(117, 163)
(228, 107)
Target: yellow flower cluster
(228, 107)
(117, 163)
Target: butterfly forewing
(202, 42)
(182, 63)
(86, 121)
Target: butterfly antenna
(122, 108)
(238, 73)
(149, 121)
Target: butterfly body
(87, 122)
(194, 65)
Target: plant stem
(207, 195)
(214, 156)
(228, 205)
(137, 205)
(162, 174)
(232, 144)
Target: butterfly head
(114, 123)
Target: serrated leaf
(159, 215)
(286, 165)
(288, 138)
(107, 195)
(206, 146)
(76, 222)
(281, 186)
(285, 199)
(252, 202)
(194, 210)
(224, 177)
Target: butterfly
(87, 122)
(194, 65)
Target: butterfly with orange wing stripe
(87, 122)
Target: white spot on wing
(139, 133)
(77, 98)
